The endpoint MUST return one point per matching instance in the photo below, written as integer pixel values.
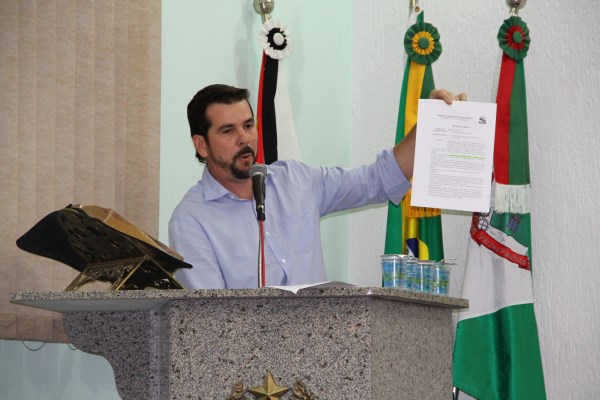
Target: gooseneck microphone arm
(258, 173)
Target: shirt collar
(213, 190)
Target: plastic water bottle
(440, 279)
(394, 273)
(422, 276)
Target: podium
(324, 342)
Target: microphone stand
(258, 173)
(261, 254)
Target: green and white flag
(496, 350)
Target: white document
(454, 155)
(295, 288)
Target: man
(215, 228)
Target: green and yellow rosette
(514, 38)
(422, 43)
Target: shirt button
(283, 260)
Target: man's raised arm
(405, 150)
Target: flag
(415, 230)
(496, 350)
(277, 138)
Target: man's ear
(200, 145)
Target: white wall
(53, 371)
(562, 76)
(345, 78)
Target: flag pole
(264, 8)
(455, 393)
(414, 6)
(515, 6)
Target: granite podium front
(326, 343)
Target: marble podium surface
(336, 342)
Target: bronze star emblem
(269, 390)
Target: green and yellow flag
(415, 230)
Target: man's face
(231, 147)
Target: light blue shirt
(218, 233)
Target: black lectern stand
(105, 247)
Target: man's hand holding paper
(454, 154)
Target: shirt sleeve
(377, 183)
(188, 238)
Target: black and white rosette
(274, 38)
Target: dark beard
(235, 171)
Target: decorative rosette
(514, 38)
(422, 43)
(274, 38)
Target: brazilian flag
(415, 230)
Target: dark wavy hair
(196, 109)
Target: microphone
(258, 172)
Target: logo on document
(482, 120)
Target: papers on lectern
(295, 288)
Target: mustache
(244, 150)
